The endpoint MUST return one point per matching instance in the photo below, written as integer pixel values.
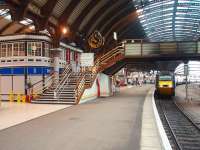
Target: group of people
(139, 80)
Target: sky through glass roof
(169, 20)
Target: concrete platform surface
(15, 113)
(191, 106)
(150, 139)
(104, 124)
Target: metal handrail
(110, 56)
(66, 81)
(111, 51)
(65, 70)
(62, 82)
(80, 88)
(39, 87)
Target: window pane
(3, 50)
(46, 49)
(29, 50)
(21, 49)
(15, 49)
(38, 49)
(0, 50)
(9, 52)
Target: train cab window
(165, 78)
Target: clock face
(95, 40)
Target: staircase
(66, 95)
(71, 86)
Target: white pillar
(56, 69)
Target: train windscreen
(165, 78)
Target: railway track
(181, 131)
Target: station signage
(87, 59)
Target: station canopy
(80, 18)
(169, 20)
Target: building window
(34, 48)
(0, 50)
(9, 51)
(21, 49)
(3, 50)
(38, 51)
(15, 49)
(46, 49)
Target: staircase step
(53, 102)
(60, 97)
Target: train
(165, 84)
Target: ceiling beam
(121, 23)
(21, 29)
(46, 12)
(112, 13)
(62, 22)
(125, 10)
(87, 9)
(67, 12)
(174, 19)
(6, 27)
(20, 10)
(87, 26)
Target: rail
(184, 132)
(58, 90)
(80, 87)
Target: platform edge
(164, 139)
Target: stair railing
(58, 90)
(111, 57)
(112, 53)
(41, 86)
(65, 70)
(80, 87)
(100, 60)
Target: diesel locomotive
(165, 84)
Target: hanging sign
(87, 59)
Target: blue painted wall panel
(21, 70)
(18, 71)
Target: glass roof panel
(178, 20)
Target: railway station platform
(191, 105)
(124, 121)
